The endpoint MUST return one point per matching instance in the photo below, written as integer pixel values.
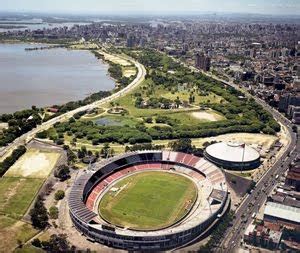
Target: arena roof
(232, 152)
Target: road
(253, 202)
(25, 138)
(257, 198)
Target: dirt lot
(34, 163)
(3, 126)
(254, 140)
(207, 115)
(129, 72)
(115, 59)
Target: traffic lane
(261, 200)
(238, 226)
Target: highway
(257, 198)
(252, 203)
(25, 138)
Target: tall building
(202, 62)
(130, 40)
(288, 99)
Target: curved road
(252, 203)
(25, 138)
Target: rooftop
(234, 152)
(283, 211)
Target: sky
(275, 7)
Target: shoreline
(26, 137)
(106, 63)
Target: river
(48, 77)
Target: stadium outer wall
(84, 219)
(230, 165)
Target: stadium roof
(283, 211)
(232, 152)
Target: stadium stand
(90, 186)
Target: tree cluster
(39, 215)
(9, 161)
(19, 123)
(102, 134)
(218, 233)
(56, 244)
(62, 172)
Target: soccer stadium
(232, 156)
(148, 200)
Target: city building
(287, 100)
(293, 177)
(262, 236)
(131, 40)
(284, 215)
(202, 62)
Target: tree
(42, 135)
(57, 244)
(177, 102)
(53, 211)
(72, 120)
(148, 120)
(182, 145)
(70, 154)
(59, 141)
(62, 172)
(60, 194)
(9, 161)
(36, 243)
(105, 151)
(39, 216)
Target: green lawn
(12, 231)
(17, 195)
(184, 96)
(128, 103)
(149, 200)
(29, 249)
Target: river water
(48, 77)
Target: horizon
(155, 7)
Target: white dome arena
(232, 155)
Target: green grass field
(149, 200)
(16, 196)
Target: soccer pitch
(148, 200)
